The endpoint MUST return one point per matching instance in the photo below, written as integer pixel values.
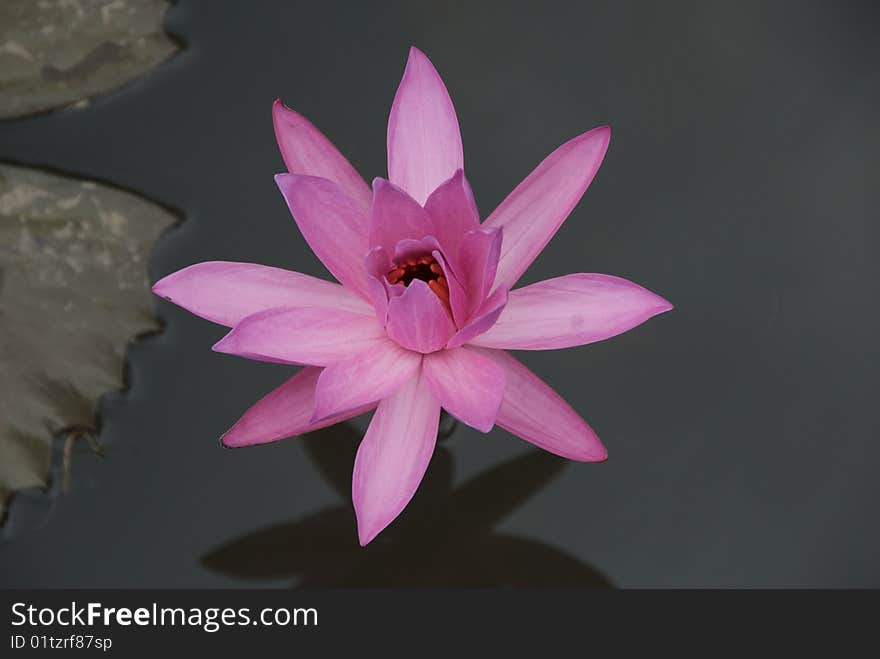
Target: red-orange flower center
(425, 268)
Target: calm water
(740, 426)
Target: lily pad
(55, 53)
(73, 291)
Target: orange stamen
(441, 290)
(427, 270)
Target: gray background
(741, 427)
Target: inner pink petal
(425, 260)
(419, 320)
(453, 211)
(477, 263)
(395, 216)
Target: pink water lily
(425, 311)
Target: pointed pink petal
(571, 311)
(467, 384)
(417, 320)
(333, 225)
(393, 456)
(306, 151)
(395, 216)
(408, 247)
(309, 335)
(483, 319)
(458, 297)
(378, 263)
(364, 379)
(478, 256)
(380, 299)
(225, 292)
(453, 211)
(536, 208)
(284, 412)
(533, 411)
(424, 143)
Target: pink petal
(377, 263)
(309, 335)
(284, 412)
(453, 211)
(333, 225)
(395, 216)
(417, 320)
(483, 319)
(380, 299)
(533, 411)
(458, 297)
(467, 384)
(393, 456)
(225, 292)
(424, 143)
(306, 151)
(408, 247)
(571, 311)
(364, 379)
(536, 208)
(478, 256)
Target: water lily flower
(425, 308)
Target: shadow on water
(445, 537)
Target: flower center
(425, 268)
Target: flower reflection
(446, 537)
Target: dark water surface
(740, 184)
